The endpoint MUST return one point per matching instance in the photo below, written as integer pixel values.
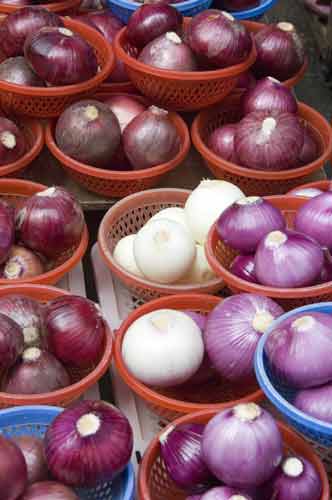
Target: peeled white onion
(200, 272)
(124, 255)
(176, 214)
(163, 348)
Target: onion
(13, 477)
(235, 5)
(12, 142)
(11, 342)
(176, 214)
(215, 196)
(17, 26)
(125, 108)
(316, 402)
(164, 251)
(22, 264)
(168, 51)
(16, 70)
(205, 372)
(119, 74)
(123, 254)
(90, 442)
(242, 446)
(221, 141)
(280, 51)
(150, 139)
(307, 192)
(269, 95)
(326, 271)
(314, 219)
(163, 348)
(243, 225)
(7, 230)
(200, 271)
(32, 448)
(309, 151)
(246, 81)
(233, 330)
(267, 140)
(106, 23)
(243, 266)
(60, 57)
(200, 319)
(218, 38)
(224, 493)
(148, 22)
(49, 490)
(58, 230)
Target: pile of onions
(16, 70)
(12, 142)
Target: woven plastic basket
(45, 102)
(258, 182)
(82, 379)
(323, 185)
(65, 7)
(127, 217)
(154, 482)
(117, 88)
(35, 420)
(255, 13)
(15, 191)
(220, 257)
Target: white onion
(124, 255)
(200, 272)
(176, 214)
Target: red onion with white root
(221, 141)
(269, 95)
(12, 142)
(22, 264)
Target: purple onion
(309, 151)
(49, 490)
(125, 108)
(307, 192)
(22, 264)
(32, 448)
(326, 271)
(221, 141)
(13, 477)
(16, 70)
(246, 81)
(225, 493)
(314, 218)
(316, 402)
(12, 142)
(269, 95)
(200, 319)
(7, 230)
(243, 266)
(105, 22)
(11, 342)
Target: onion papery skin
(270, 141)
(89, 132)
(60, 227)
(225, 493)
(246, 81)
(218, 39)
(16, 70)
(221, 141)
(76, 330)
(11, 342)
(49, 490)
(243, 225)
(7, 230)
(20, 24)
(125, 108)
(314, 218)
(150, 21)
(243, 266)
(22, 264)
(269, 95)
(307, 192)
(150, 139)
(316, 402)
(12, 142)
(13, 478)
(309, 151)
(80, 460)
(60, 57)
(233, 330)
(280, 53)
(32, 448)
(236, 5)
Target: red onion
(225, 493)
(221, 141)
(11, 342)
(60, 57)
(243, 427)
(59, 229)
(20, 3)
(22, 264)
(309, 151)
(168, 51)
(326, 271)
(243, 225)
(269, 140)
(125, 108)
(13, 477)
(119, 73)
(150, 139)
(218, 38)
(20, 24)
(307, 192)
(316, 402)
(33, 451)
(89, 132)
(280, 51)
(246, 81)
(269, 95)
(12, 142)
(314, 219)
(38, 373)
(148, 22)
(16, 70)
(235, 5)
(76, 330)
(90, 442)
(243, 266)
(7, 230)
(106, 23)
(233, 330)
(49, 490)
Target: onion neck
(49, 192)
(88, 425)
(247, 412)
(173, 37)
(262, 321)
(30, 334)
(163, 438)
(91, 113)
(292, 467)
(284, 26)
(273, 80)
(158, 111)
(304, 323)
(227, 15)
(250, 200)
(31, 354)
(275, 239)
(8, 139)
(66, 32)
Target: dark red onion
(148, 22)
(125, 108)
(76, 330)
(243, 266)
(326, 271)
(280, 51)
(225, 493)
(89, 132)
(269, 95)
(49, 490)
(236, 5)
(7, 229)
(12, 142)
(119, 73)
(11, 342)
(13, 477)
(16, 70)
(218, 38)
(106, 23)
(90, 442)
(58, 230)
(150, 139)
(221, 141)
(22, 263)
(168, 51)
(316, 402)
(32, 448)
(60, 57)
(246, 81)
(309, 151)
(314, 219)
(269, 141)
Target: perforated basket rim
(323, 185)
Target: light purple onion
(269, 95)
(49, 490)
(314, 218)
(7, 230)
(221, 141)
(309, 151)
(16, 70)
(316, 402)
(243, 266)
(306, 192)
(225, 493)
(125, 108)
(11, 342)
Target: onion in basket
(11, 342)
(316, 402)
(125, 108)
(13, 477)
(12, 142)
(269, 95)
(221, 141)
(124, 255)
(314, 219)
(16, 70)
(32, 448)
(309, 151)
(22, 263)
(49, 490)
(7, 230)
(225, 493)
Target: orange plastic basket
(117, 88)
(154, 482)
(45, 102)
(216, 394)
(82, 379)
(258, 182)
(220, 257)
(65, 7)
(15, 191)
(127, 217)
(323, 185)
(119, 183)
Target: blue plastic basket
(280, 396)
(34, 421)
(256, 13)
